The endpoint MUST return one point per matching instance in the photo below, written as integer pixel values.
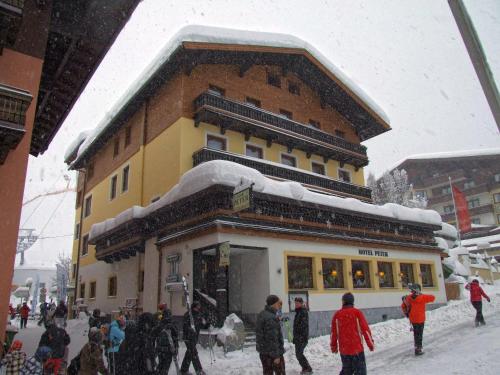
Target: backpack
(406, 306)
(163, 342)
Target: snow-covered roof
(447, 231)
(442, 243)
(221, 172)
(75, 145)
(481, 240)
(216, 35)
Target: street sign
(241, 200)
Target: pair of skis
(173, 350)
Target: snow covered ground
(451, 343)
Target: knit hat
(16, 345)
(348, 299)
(272, 299)
(43, 353)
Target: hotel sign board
(224, 252)
(242, 197)
(373, 253)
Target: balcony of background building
(483, 188)
(479, 210)
(430, 182)
(13, 106)
(229, 114)
(308, 179)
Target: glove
(371, 348)
(334, 349)
(489, 300)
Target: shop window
(88, 206)
(385, 274)
(318, 168)
(77, 231)
(85, 245)
(216, 143)
(344, 175)
(340, 133)
(253, 102)
(426, 273)
(293, 88)
(300, 272)
(254, 151)
(82, 290)
(333, 273)
(92, 289)
(128, 131)
(407, 275)
(116, 147)
(112, 286)
(125, 176)
(286, 114)
(112, 187)
(216, 90)
(361, 274)
(288, 160)
(273, 79)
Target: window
(407, 275)
(426, 273)
(90, 171)
(253, 102)
(216, 90)
(333, 273)
(385, 275)
(288, 160)
(446, 190)
(469, 184)
(496, 197)
(112, 187)
(473, 259)
(361, 274)
(318, 168)
(78, 198)
(77, 231)
(217, 143)
(140, 283)
(125, 175)
(82, 290)
(273, 79)
(300, 273)
(112, 286)
(88, 206)
(314, 123)
(85, 245)
(293, 88)
(473, 203)
(476, 220)
(497, 177)
(92, 289)
(421, 194)
(344, 175)
(254, 151)
(128, 131)
(340, 133)
(286, 114)
(449, 209)
(116, 147)
(14, 102)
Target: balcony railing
(286, 173)
(483, 188)
(277, 128)
(484, 209)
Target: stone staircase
(250, 336)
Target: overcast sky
(407, 55)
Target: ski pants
(353, 364)
(478, 305)
(24, 321)
(191, 355)
(269, 367)
(418, 334)
(164, 362)
(299, 353)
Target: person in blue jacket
(116, 335)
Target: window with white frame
(125, 177)
(473, 203)
(469, 184)
(216, 143)
(288, 160)
(318, 168)
(449, 209)
(254, 151)
(344, 175)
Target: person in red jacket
(476, 298)
(349, 326)
(24, 313)
(414, 307)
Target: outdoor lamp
(381, 274)
(359, 273)
(334, 273)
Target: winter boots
(419, 351)
(306, 372)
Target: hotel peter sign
(373, 253)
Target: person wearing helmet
(35, 364)
(414, 307)
(91, 360)
(15, 359)
(476, 298)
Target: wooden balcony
(267, 168)
(229, 114)
(485, 209)
(483, 188)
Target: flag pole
(456, 215)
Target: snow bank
(216, 35)
(233, 174)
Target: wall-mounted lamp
(381, 274)
(359, 273)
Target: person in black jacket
(56, 339)
(301, 334)
(190, 337)
(270, 344)
(163, 346)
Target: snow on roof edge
(210, 34)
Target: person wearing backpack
(163, 347)
(476, 298)
(91, 361)
(34, 365)
(414, 305)
(349, 326)
(57, 340)
(116, 335)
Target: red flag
(464, 223)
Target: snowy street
(451, 342)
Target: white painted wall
(254, 281)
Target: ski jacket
(160, 334)
(91, 360)
(476, 292)
(416, 304)
(13, 362)
(32, 366)
(301, 326)
(349, 326)
(199, 323)
(56, 339)
(24, 312)
(116, 336)
(268, 332)
(61, 311)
